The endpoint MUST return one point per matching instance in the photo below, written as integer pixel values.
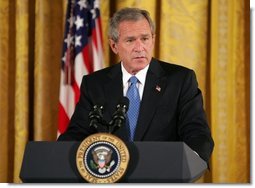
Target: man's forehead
(128, 24)
(131, 29)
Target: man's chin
(140, 66)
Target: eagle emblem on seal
(102, 156)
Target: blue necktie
(134, 105)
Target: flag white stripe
(99, 64)
(79, 68)
(66, 97)
(96, 58)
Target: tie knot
(133, 80)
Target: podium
(150, 162)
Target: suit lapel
(113, 88)
(114, 93)
(154, 88)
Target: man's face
(135, 45)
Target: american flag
(82, 54)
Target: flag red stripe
(94, 38)
(87, 60)
(76, 92)
(100, 29)
(63, 119)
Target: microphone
(96, 116)
(119, 116)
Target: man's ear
(113, 46)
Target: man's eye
(145, 38)
(130, 40)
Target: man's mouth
(139, 57)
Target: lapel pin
(158, 88)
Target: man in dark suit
(170, 102)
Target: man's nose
(138, 45)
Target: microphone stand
(118, 118)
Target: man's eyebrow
(133, 37)
(129, 37)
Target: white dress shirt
(141, 76)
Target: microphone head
(119, 116)
(96, 115)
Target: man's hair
(127, 14)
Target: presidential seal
(102, 158)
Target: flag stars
(82, 4)
(96, 4)
(68, 40)
(93, 12)
(71, 21)
(78, 22)
(64, 58)
(77, 40)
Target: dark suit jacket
(172, 113)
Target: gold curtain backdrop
(210, 36)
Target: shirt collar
(141, 75)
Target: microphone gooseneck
(97, 122)
(96, 116)
(119, 116)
